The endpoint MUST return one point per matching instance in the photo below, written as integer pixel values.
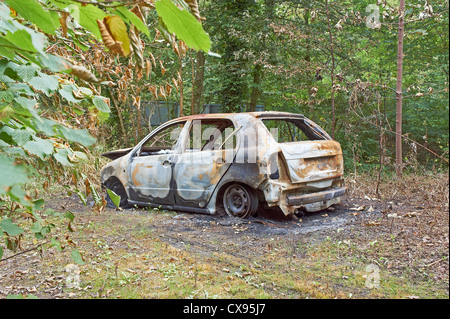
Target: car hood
(112, 155)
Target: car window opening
(294, 130)
(209, 135)
(163, 142)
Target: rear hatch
(310, 153)
(309, 161)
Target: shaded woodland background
(289, 56)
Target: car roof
(243, 114)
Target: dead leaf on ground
(359, 208)
(373, 223)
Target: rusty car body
(236, 161)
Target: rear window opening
(294, 130)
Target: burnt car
(235, 162)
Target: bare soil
(404, 232)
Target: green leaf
(54, 63)
(26, 72)
(67, 93)
(6, 50)
(100, 104)
(1, 252)
(184, 25)
(22, 40)
(45, 83)
(10, 173)
(57, 244)
(28, 104)
(20, 136)
(18, 194)
(21, 88)
(39, 147)
(15, 296)
(69, 215)
(45, 125)
(78, 136)
(36, 227)
(6, 96)
(77, 258)
(80, 156)
(95, 195)
(114, 197)
(133, 19)
(87, 16)
(10, 228)
(61, 157)
(81, 196)
(15, 151)
(32, 11)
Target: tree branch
(25, 251)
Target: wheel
(116, 186)
(240, 201)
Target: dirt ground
(405, 234)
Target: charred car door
(207, 154)
(150, 171)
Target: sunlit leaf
(87, 16)
(39, 147)
(184, 25)
(78, 136)
(61, 157)
(114, 197)
(26, 72)
(133, 19)
(20, 136)
(119, 32)
(34, 12)
(44, 83)
(100, 104)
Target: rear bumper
(299, 200)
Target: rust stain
(135, 172)
(214, 176)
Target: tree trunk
(399, 94)
(197, 105)
(256, 90)
(332, 70)
(180, 86)
(119, 115)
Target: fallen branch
(434, 262)
(25, 251)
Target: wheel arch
(111, 179)
(219, 198)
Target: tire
(116, 186)
(240, 201)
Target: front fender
(116, 168)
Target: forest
(83, 77)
